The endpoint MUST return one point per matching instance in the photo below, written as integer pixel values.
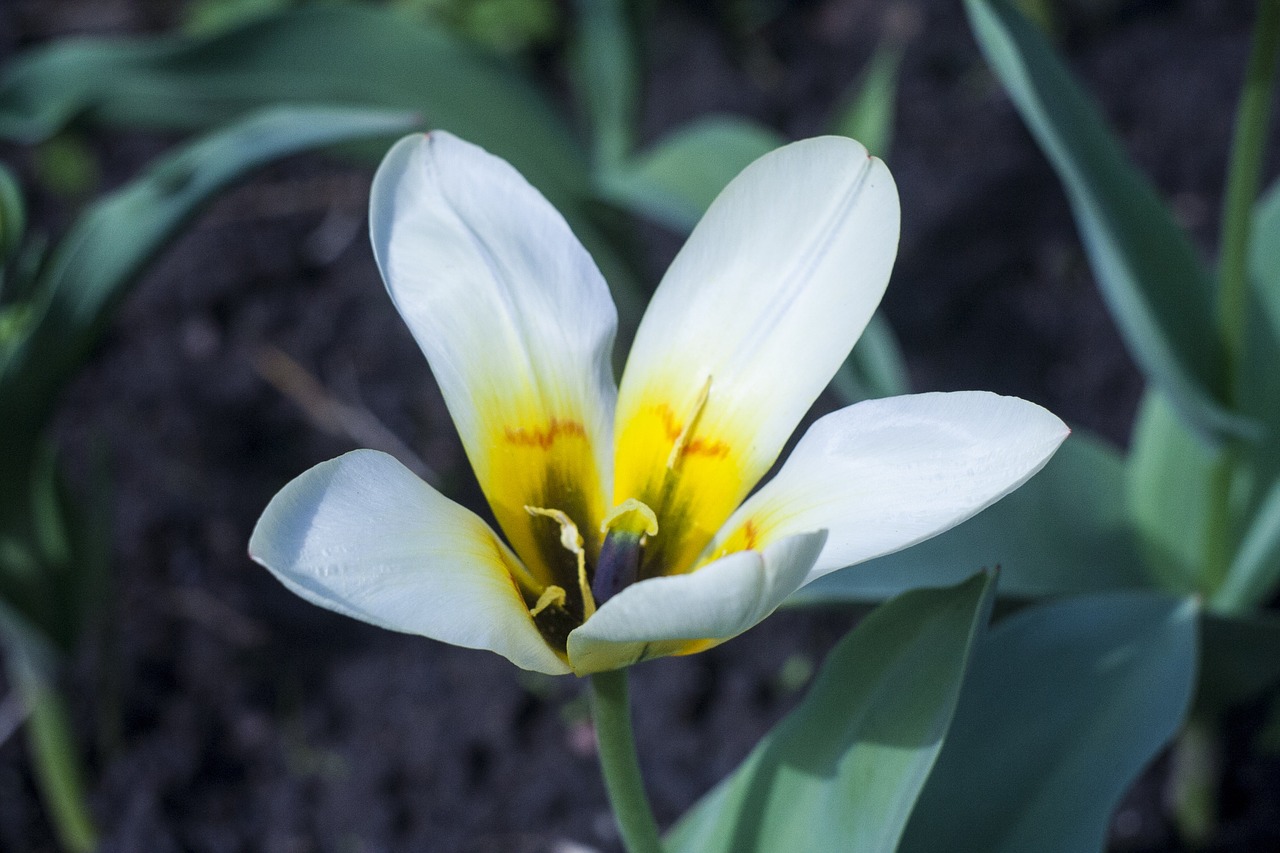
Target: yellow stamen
(571, 539)
(682, 440)
(551, 595)
(588, 600)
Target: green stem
(1194, 779)
(612, 712)
(57, 766)
(1252, 119)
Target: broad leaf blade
(1154, 283)
(1065, 531)
(675, 181)
(1064, 705)
(843, 770)
(1168, 495)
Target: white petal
(685, 613)
(885, 474)
(765, 301)
(514, 318)
(362, 536)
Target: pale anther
(551, 595)
(569, 536)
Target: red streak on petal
(544, 438)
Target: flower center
(626, 531)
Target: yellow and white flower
(629, 533)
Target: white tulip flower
(627, 532)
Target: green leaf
(205, 17)
(869, 106)
(66, 166)
(675, 181)
(13, 216)
(49, 568)
(58, 767)
(1240, 658)
(110, 246)
(1264, 256)
(1065, 531)
(843, 770)
(1255, 570)
(1168, 495)
(350, 54)
(1065, 704)
(1158, 290)
(875, 367)
(115, 239)
(1257, 388)
(605, 76)
(357, 55)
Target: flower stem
(611, 709)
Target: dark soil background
(223, 714)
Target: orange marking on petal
(544, 438)
(703, 447)
(673, 428)
(750, 535)
(669, 423)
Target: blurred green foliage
(57, 298)
(502, 26)
(1194, 507)
(455, 64)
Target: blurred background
(217, 712)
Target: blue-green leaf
(1255, 569)
(1156, 286)
(119, 235)
(875, 367)
(110, 245)
(1257, 387)
(605, 77)
(49, 568)
(869, 106)
(1065, 531)
(1065, 704)
(675, 181)
(1264, 256)
(13, 215)
(348, 54)
(1168, 494)
(843, 770)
